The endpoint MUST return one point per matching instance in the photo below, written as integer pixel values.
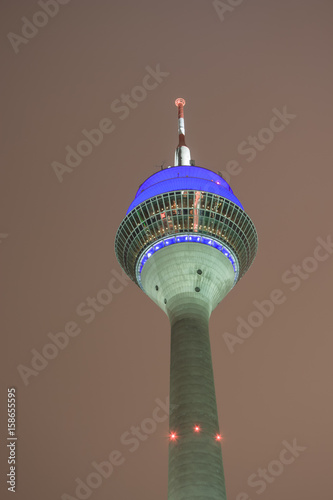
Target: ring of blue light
(183, 178)
(186, 238)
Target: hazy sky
(91, 367)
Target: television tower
(186, 241)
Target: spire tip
(180, 100)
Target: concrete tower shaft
(195, 278)
(195, 458)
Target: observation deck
(185, 204)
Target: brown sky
(57, 238)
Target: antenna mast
(182, 153)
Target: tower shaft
(195, 458)
(188, 280)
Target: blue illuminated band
(186, 238)
(183, 178)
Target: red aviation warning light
(180, 103)
(197, 428)
(173, 436)
(218, 437)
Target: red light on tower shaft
(173, 436)
(218, 437)
(197, 428)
